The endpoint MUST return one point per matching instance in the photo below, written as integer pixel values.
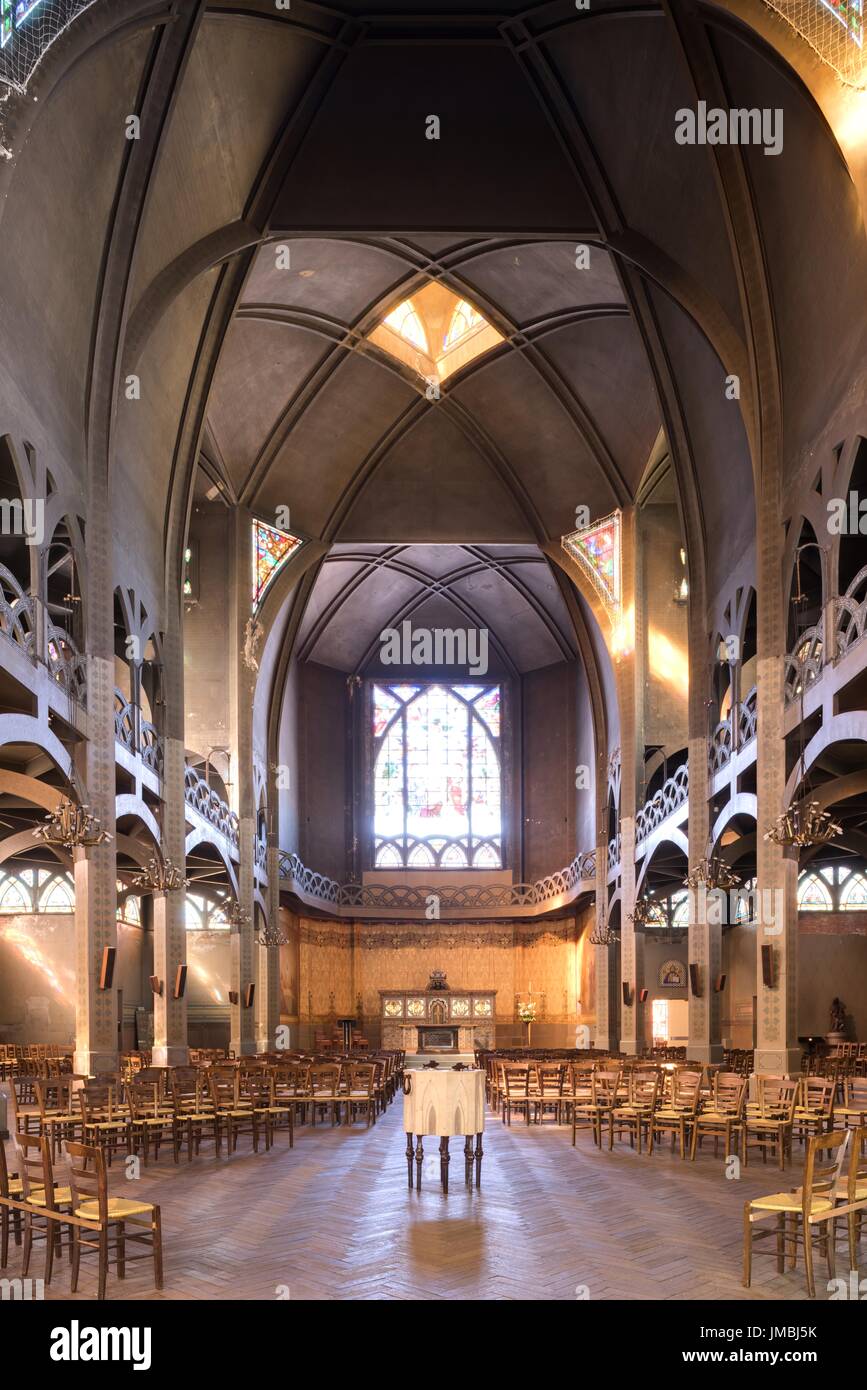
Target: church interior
(433, 650)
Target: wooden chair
(41, 1194)
(105, 1120)
(325, 1090)
(149, 1119)
(853, 1111)
(360, 1092)
(604, 1087)
(59, 1116)
(194, 1110)
(637, 1112)
(269, 1108)
(676, 1114)
(548, 1089)
(108, 1219)
(515, 1090)
(292, 1087)
(851, 1191)
(797, 1212)
(233, 1112)
(769, 1119)
(814, 1107)
(11, 1190)
(722, 1116)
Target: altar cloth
(444, 1102)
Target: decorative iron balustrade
(262, 855)
(614, 851)
(804, 663)
(720, 747)
(18, 624)
(465, 897)
(670, 798)
(209, 805)
(748, 716)
(851, 622)
(146, 742)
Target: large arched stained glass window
(437, 792)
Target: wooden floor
(334, 1219)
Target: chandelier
(73, 827)
(711, 872)
(802, 825)
(602, 935)
(644, 911)
(271, 936)
(160, 876)
(236, 916)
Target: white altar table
(444, 1102)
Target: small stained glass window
(813, 895)
(271, 550)
(854, 895)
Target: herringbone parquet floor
(334, 1219)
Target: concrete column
(606, 1012)
(268, 987)
(630, 697)
(244, 969)
(705, 937)
(96, 1030)
(169, 920)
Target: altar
(437, 1020)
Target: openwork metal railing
(463, 897)
(137, 734)
(748, 716)
(720, 746)
(18, 624)
(851, 624)
(672, 795)
(804, 663)
(209, 805)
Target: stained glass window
(464, 319)
(14, 896)
(854, 895)
(271, 550)
(596, 549)
(436, 779)
(12, 15)
(813, 895)
(57, 895)
(406, 322)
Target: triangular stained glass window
(597, 550)
(271, 550)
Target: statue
(437, 980)
(838, 1016)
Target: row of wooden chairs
(38, 1208)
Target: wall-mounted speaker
(233, 996)
(694, 981)
(106, 974)
(643, 995)
(719, 984)
(627, 994)
(180, 981)
(249, 991)
(156, 984)
(768, 966)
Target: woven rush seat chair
(768, 1121)
(105, 1120)
(59, 1113)
(515, 1080)
(721, 1117)
(636, 1114)
(853, 1109)
(604, 1089)
(797, 1212)
(234, 1113)
(270, 1109)
(677, 1111)
(194, 1110)
(814, 1107)
(360, 1092)
(113, 1224)
(150, 1120)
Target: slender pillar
(705, 936)
(268, 986)
(606, 1011)
(244, 971)
(631, 748)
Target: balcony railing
(804, 663)
(465, 897)
(209, 805)
(672, 795)
(851, 624)
(137, 734)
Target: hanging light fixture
(73, 827)
(804, 823)
(160, 876)
(644, 911)
(602, 935)
(236, 915)
(271, 936)
(711, 872)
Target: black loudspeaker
(249, 991)
(627, 995)
(694, 980)
(233, 996)
(180, 981)
(106, 974)
(643, 995)
(156, 984)
(768, 966)
(719, 984)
